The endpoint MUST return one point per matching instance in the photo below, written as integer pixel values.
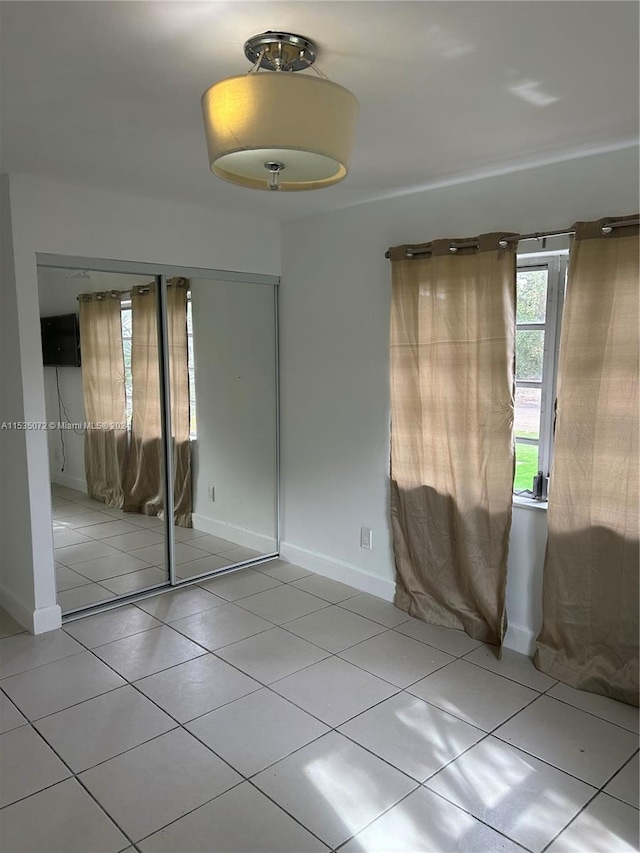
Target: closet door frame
(161, 273)
(167, 444)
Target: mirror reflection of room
(102, 550)
(232, 347)
(102, 384)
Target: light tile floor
(102, 553)
(259, 714)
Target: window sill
(529, 503)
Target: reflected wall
(233, 423)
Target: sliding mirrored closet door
(161, 398)
(225, 489)
(102, 391)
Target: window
(192, 371)
(540, 293)
(125, 316)
(125, 319)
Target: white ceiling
(108, 93)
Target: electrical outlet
(211, 492)
(365, 538)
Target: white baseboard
(78, 483)
(47, 619)
(239, 535)
(520, 639)
(16, 608)
(36, 621)
(338, 570)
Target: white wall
(334, 340)
(524, 581)
(17, 589)
(66, 463)
(234, 356)
(70, 220)
(57, 294)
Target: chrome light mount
(276, 51)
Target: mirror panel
(109, 541)
(109, 523)
(232, 400)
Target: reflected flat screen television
(60, 341)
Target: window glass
(526, 466)
(540, 286)
(529, 355)
(126, 322)
(531, 304)
(189, 316)
(125, 318)
(192, 372)
(527, 412)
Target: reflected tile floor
(102, 553)
(172, 729)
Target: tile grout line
(154, 590)
(268, 686)
(455, 805)
(73, 776)
(249, 779)
(548, 763)
(613, 776)
(399, 690)
(182, 726)
(329, 654)
(590, 713)
(76, 774)
(265, 686)
(129, 553)
(575, 817)
(506, 677)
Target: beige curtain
(144, 485)
(589, 636)
(105, 445)
(452, 458)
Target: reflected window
(125, 316)
(193, 433)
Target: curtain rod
(117, 294)
(503, 242)
(114, 294)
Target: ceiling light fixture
(279, 130)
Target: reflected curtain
(144, 484)
(589, 636)
(105, 446)
(180, 406)
(452, 457)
